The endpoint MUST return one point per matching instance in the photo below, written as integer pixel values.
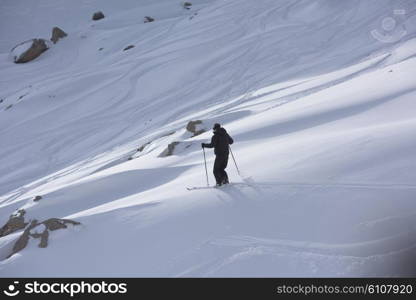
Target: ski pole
(234, 160)
(206, 171)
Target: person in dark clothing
(220, 142)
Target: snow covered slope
(318, 95)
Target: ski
(200, 188)
(192, 188)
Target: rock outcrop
(195, 127)
(57, 34)
(16, 222)
(128, 47)
(55, 224)
(169, 150)
(148, 19)
(32, 231)
(187, 5)
(141, 148)
(23, 240)
(29, 50)
(98, 16)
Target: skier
(220, 142)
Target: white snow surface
(323, 115)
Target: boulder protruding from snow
(187, 5)
(169, 150)
(54, 223)
(98, 16)
(195, 127)
(57, 34)
(128, 47)
(23, 240)
(148, 19)
(29, 50)
(16, 222)
(40, 231)
(141, 148)
(37, 198)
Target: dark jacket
(220, 142)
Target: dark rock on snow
(37, 198)
(44, 236)
(36, 48)
(169, 150)
(54, 223)
(192, 127)
(98, 16)
(57, 33)
(148, 19)
(141, 148)
(23, 240)
(128, 47)
(187, 5)
(16, 222)
(50, 225)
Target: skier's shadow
(236, 192)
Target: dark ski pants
(220, 164)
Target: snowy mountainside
(322, 113)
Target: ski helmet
(216, 126)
